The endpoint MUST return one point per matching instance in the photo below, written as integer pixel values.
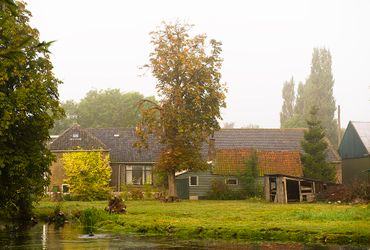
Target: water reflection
(68, 237)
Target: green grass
(255, 221)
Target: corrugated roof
(363, 131)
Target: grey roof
(121, 141)
(266, 139)
(83, 140)
(363, 131)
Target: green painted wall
(351, 145)
(353, 169)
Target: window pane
(193, 180)
(232, 181)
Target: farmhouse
(355, 152)
(278, 153)
(277, 150)
(129, 165)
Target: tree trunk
(172, 194)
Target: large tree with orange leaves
(187, 70)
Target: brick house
(129, 165)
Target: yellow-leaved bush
(88, 174)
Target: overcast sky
(102, 44)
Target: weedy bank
(244, 220)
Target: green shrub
(137, 194)
(220, 191)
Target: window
(139, 175)
(75, 136)
(193, 180)
(231, 181)
(65, 188)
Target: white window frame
(197, 178)
(146, 175)
(67, 185)
(232, 178)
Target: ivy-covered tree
(28, 107)
(249, 178)
(88, 174)
(191, 94)
(315, 151)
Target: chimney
(211, 149)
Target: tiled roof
(120, 142)
(233, 162)
(76, 138)
(264, 139)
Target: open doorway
(292, 188)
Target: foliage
(99, 109)
(70, 108)
(317, 91)
(315, 151)
(88, 174)
(287, 111)
(109, 108)
(188, 76)
(229, 125)
(249, 178)
(221, 191)
(241, 220)
(137, 194)
(28, 107)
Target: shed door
(182, 187)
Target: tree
(109, 108)
(317, 91)
(88, 174)
(28, 106)
(249, 177)
(287, 111)
(188, 76)
(315, 150)
(70, 108)
(229, 125)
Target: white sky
(102, 44)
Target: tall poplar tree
(315, 150)
(191, 94)
(317, 91)
(28, 106)
(287, 110)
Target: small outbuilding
(354, 150)
(281, 188)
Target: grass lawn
(255, 221)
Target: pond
(44, 236)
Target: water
(68, 237)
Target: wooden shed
(284, 188)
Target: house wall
(205, 179)
(353, 169)
(57, 172)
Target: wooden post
(339, 128)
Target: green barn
(354, 150)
